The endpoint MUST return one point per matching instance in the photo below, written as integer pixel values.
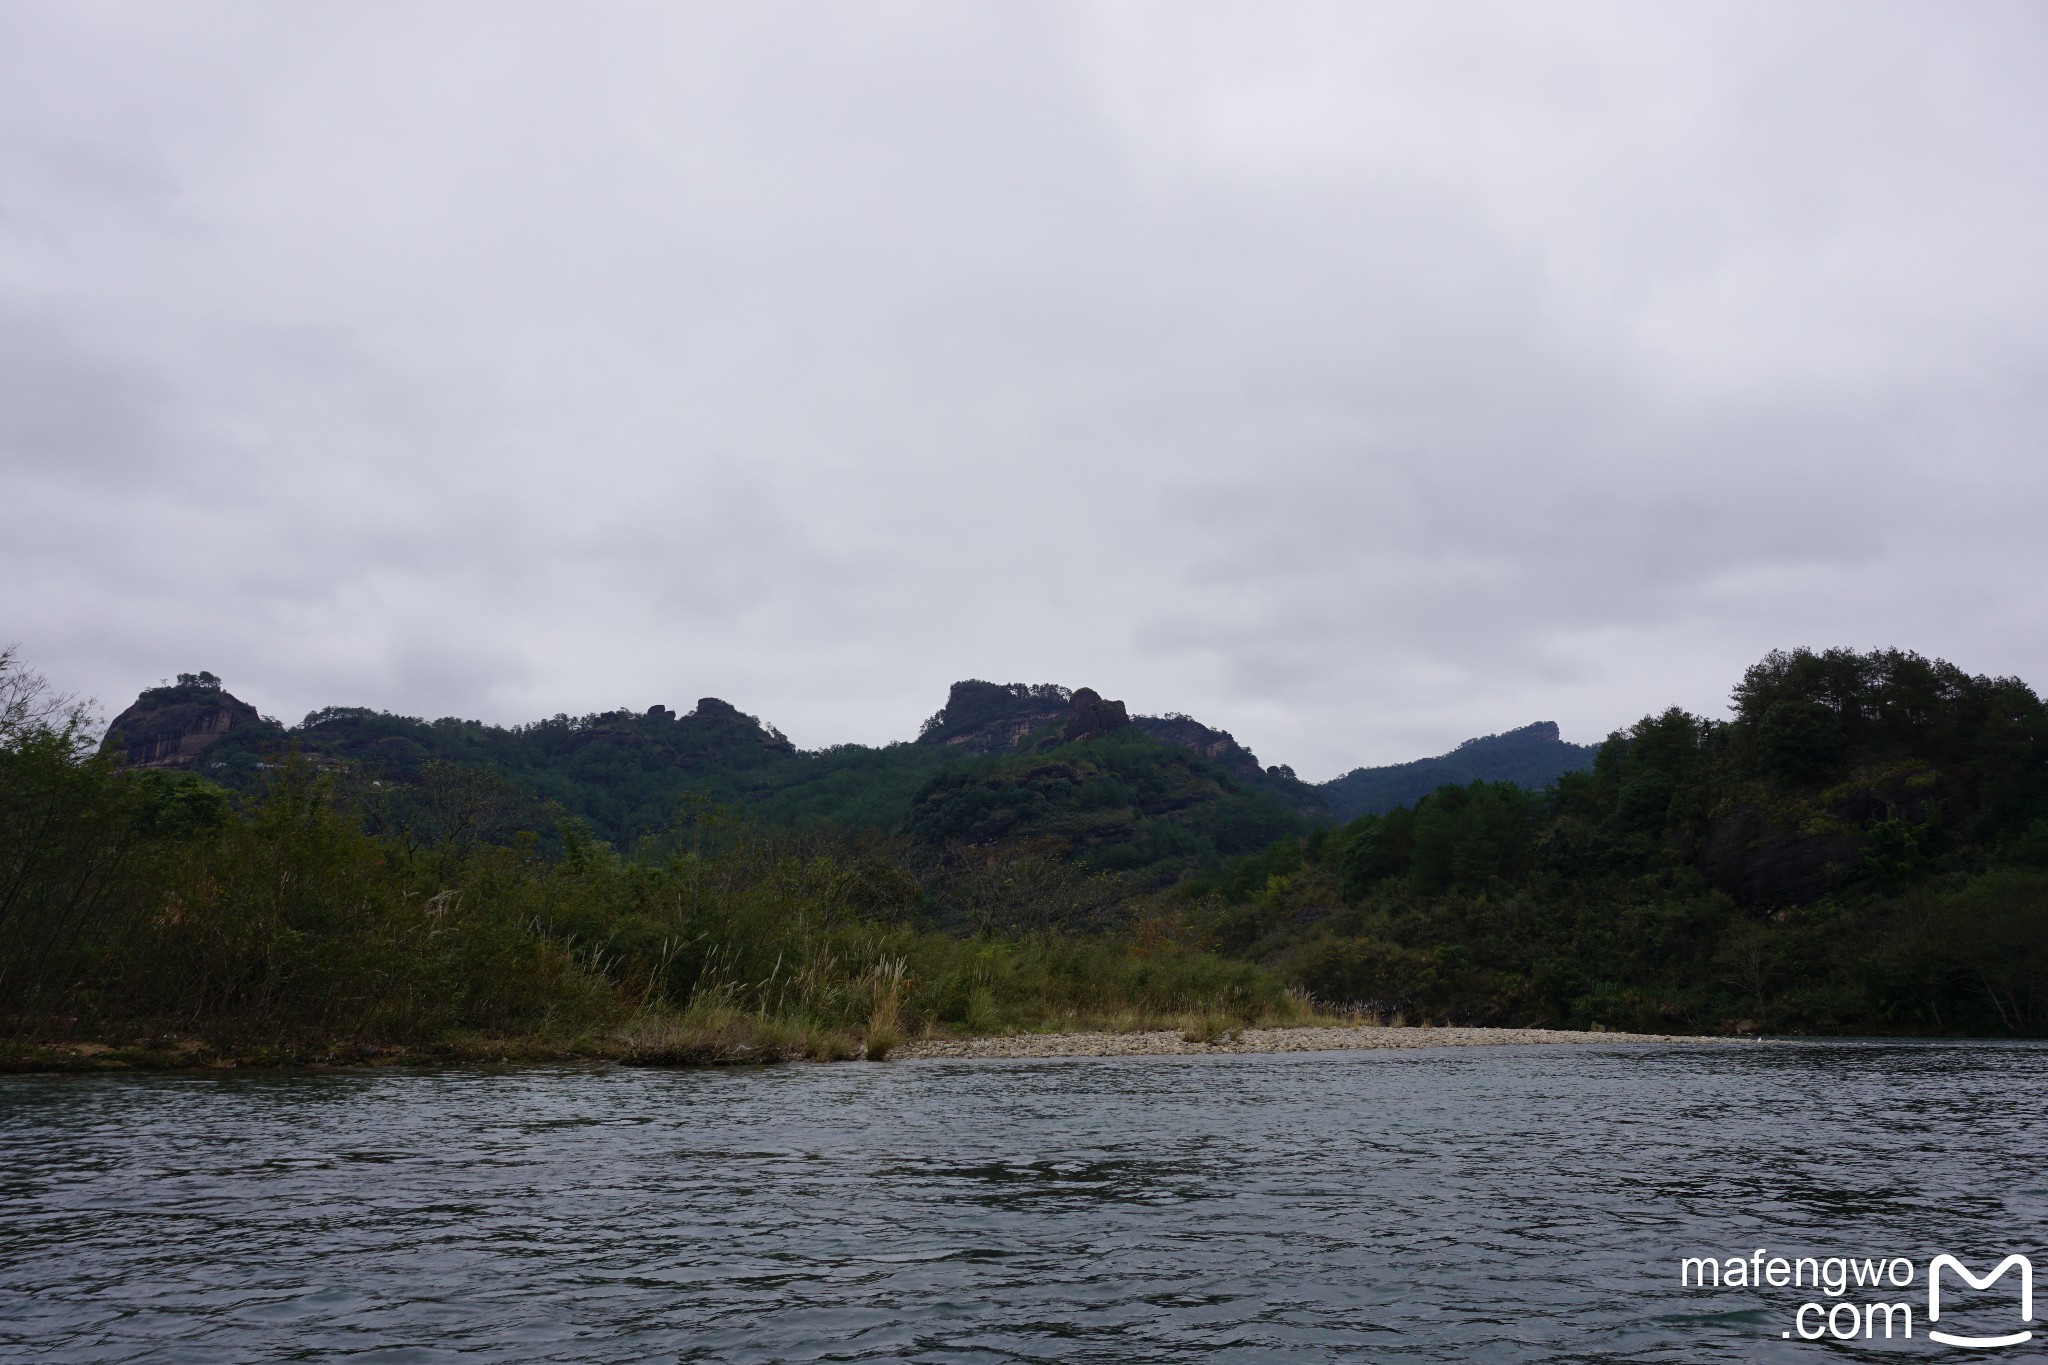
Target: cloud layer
(1356, 378)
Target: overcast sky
(1355, 378)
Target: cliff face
(993, 719)
(170, 727)
(990, 718)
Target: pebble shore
(1170, 1042)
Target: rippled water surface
(1453, 1204)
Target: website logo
(1947, 1262)
(1846, 1319)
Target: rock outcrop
(1218, 746)
(994, 718)
(1090, 715)
(990, 718)
(170, 727)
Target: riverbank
(1170, 1042)
(1196, 1040)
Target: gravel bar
(1170, 1042)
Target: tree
(29, 706)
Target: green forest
(1860, 847)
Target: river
(1495, 1204)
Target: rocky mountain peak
(170, 727)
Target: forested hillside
(1862, 846)
(1068, 774)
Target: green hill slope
(1533, 756)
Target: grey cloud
(68, 414)
(1356, 379)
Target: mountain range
(999, 761)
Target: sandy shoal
(1169, 1042)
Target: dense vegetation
(1120, 800)
(1861, 847)
(335, 913)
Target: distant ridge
(1533, 756)
(1068, 772)
(623, 771)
